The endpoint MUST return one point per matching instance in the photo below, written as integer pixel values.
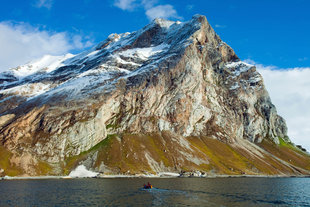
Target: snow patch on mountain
(93, 54)
(165, 23)
(82, 172)
(47, 63)
(74, 87)
(145, 53)
(27, 90)
(239, 67)
(235, 86)
(98, 66)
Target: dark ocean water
(167, 192)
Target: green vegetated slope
(8, 166)
(140, 154)
(153, 153)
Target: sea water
(166, 192)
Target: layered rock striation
(170, 82)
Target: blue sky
(272, 34)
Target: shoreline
(150, 176)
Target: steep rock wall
(171, 77)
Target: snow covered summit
(171, 96)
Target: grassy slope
(6, 165)
(41, 167)
(126, 154)
(288, 152)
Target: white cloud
(151, 10)
(162, 11)
(21, 43)
(78, 42)
(148, 3)
(220, 26)
(44, 3)
(289, 90)
(129, 5)
(125, 4)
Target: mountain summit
(170, 97)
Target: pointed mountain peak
(200, 18)
(166, 88)
(162, 22)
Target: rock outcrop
(172, 83)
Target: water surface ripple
(167, 192)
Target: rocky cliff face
(168, 82)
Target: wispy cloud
(21, 43)
(289, 89)
(125, 4)
(44, 4)
(152, 10)
(149, 3)
(162, 11)
(220, 26)
(190, 7)
(79, 43)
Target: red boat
(148, 186)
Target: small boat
(148, 186)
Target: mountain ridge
(169, 81)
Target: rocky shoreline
(154, 176)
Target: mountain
(170, 97)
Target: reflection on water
(167, 192)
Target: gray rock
(168, 76)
